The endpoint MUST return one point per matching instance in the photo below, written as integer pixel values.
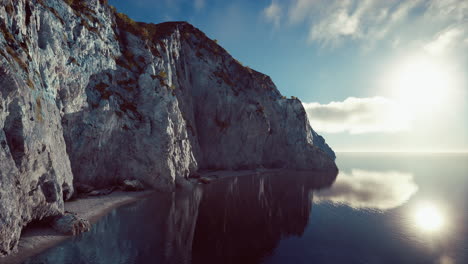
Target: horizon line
(402, 151)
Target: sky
(373, 75)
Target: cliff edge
(88, 95)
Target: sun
(429, 218)
(422, 83)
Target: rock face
(90, 96)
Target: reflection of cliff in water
(180, 226)
(155, 230)
(231, 220)
(241, 220)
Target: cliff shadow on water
(232, 220)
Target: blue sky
(373, 75)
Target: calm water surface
(382, 208)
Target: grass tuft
(38, 111)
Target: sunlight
(422, 84)
(429, 218)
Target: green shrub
(89, 27)
(9, 9)
(224, 76)
(129, 25)
(6, 33)
(162, 74)
(52, 10)
(72, 60)
(30, 83)
(126, 60)
(38, 112)
(16, 57)
(79, 6)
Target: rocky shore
(38, 238)
(89, 96)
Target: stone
(101, 192)
(204, 180)
(194, 176)
(70, 224)
(132, 185)
(83, 188)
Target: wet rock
(132, 185)
(194, 176)
(101, 192)
(70, 224)
(204, 180)
(83, 188)
(182, 183)
(67, 191)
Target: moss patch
(224, 76)
(16, 57)
(38, 110)
(52, 10)
(6, 33)
(30, 83)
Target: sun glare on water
(429, 218)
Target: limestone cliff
(88, 95)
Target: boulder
(194, 176)
(100, 192)
(204, 180)
(83, 188)
(70, 224)
(132, 185)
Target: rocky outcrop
(70, 224)
(87, 95)
(132, 185)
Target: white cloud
(456, 10)
(338, 24)
(300, 9)
(272, 14)
(332, 21)
(358, 115)
(370, 189)
(445, 40)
